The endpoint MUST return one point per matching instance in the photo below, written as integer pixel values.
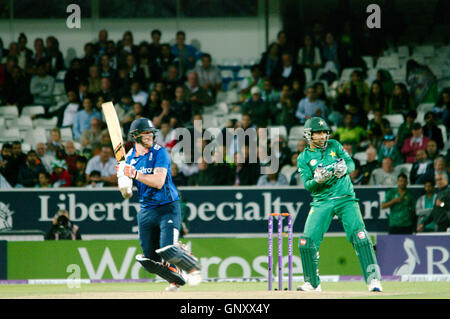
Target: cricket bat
(115, 133)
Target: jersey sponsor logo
(144, 170)
(361, 235)
(313, 162)
(332, 154)
(303, 242)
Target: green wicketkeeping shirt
(335, 187)
(400, 215)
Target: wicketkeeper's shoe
(308, 287)
(375, 286)
(173, 288)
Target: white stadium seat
(45, 123)
(369, 61)
(296, 132)
(66, 134)
(308, 75)
(36, 135)
(32, 110)
(9, 112)
(425, 107)
(405, 168)
(444, 133)
(394, 119)
(347, 72)
(22, 123)
(361, 157)
(9, 134)
(425, 50)
(388, 62)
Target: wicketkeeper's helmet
(141, 125)
(316, 124)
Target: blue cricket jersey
(157, 156)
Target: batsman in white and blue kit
(159, 219)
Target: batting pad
(366, 255)
(163, 271)
(178, 256)
(310, 261)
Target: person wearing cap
(309, 106)
(389, 149)
(60, 176)
(415, 142)
(258, 109)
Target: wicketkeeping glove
(340, 168)
(322, 174)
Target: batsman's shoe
(173, 288)
(179, 256)
(375, 286)
(166, 271)
(308, 287)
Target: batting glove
(321, 174)
(340, 168)
(124, 169)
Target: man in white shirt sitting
(105, 163)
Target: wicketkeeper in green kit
(323, 167)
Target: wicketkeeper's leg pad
(366, 255)
(310, 261)
(177, 255)
(161, 270)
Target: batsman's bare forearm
(155, 180)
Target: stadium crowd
(175, 85)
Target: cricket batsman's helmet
(316, 124)
(141, 125)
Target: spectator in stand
(124, 108)
(187, 54)
(101, 45)
(272, 180)
(154, 104)
(288, 72)
(134, 72)
(209, 75)
(290, 168)
(377, 128)
(39, 56)
(106, 91)
(125, 47)
(432, 131)
(321, 94)
(8, 167)
(138, 95)
(91, 139)
(43, 180)
(248, 83)
(331, 51)
(439, 166)
(377, 100)
(371, 164)
(60, 176)
(41, 87)
(177, 177)
(270, 61)
(123, 83)
(79, 178)
(422, 169)
(147, 65)
(400, 101)
(288, 108)
(112, 53)
(247, 173)
(13, 52)
(357, 175)
(89, 58)
(389, 149)
(94, 181)
(283, 43)
(197, 96)
(415, 142)
(6, 69)
(269, 94)
(55, 144)
(83, 90)
(166, 113)
(442, 106)
(172, 81)
(405, 129)
(16, 90)
(258, 109)
(309, 55)
(83, 118)
(385, 79)
(310, 106)
(94, 86)
(204, 177)
(441, 211)
(432, 150)
(28, 175)
(356, 88)
(386, 175)
(71, 157)
(181, 106)
(105, 163)
(167, 59)
(24, 54)
(166, 135)
(62, 228)
(66, 113)
(138, 111)
(154, 48)
(74, 75)
(349, 132)
(45, 156)
(402, 204)
(54, 55)
(424, 206)
(106, 70)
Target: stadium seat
(32, 110)
(45, 123)
(425, 107)
(277, 130)
(26, 147)
(9, 112)
(425, 50)
(308, 75)
(369, 61)
(444, 132)
(232, 97)
(419, 58)
(361, 157)
(35, 136)
(61, 75)
(9, 135)
(403, 51)
(66, 134)
(22, 123)
(420, 117)
(347, 72)
(395, 119)
(243, 73)
(398, 75)
(2, 122)
(388, 62)
(296, 132)
(405, 168)
(292, 144)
